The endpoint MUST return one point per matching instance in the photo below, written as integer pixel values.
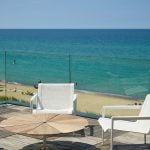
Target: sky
(75, 14)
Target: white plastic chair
(54, 98)
(141, 123)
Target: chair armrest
(34, 97)
(74, 97)
(74, 103)
(117, 107)
(130, 118)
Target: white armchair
(54, 98)
(141, 123)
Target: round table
(44, 124)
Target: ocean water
(106, 61)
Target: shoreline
(108, 94)
(79, 91)
(87, 101)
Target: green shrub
(8, 98)
(27, 93)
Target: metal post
(102, 136)
(144, 138)
(69, 68)
(112, 126)
(5, 72)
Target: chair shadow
(61, 145)
(132, 147)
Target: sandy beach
(87, 102)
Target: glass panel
(2, 66)
(108, 75)
(29, 68)
(122, 77)
(2, 75)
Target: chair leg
(82, 133)
(111, 140)
(144, 138)
(91, 130)
(102, 136)
(31, 107)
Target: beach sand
(87, 102)
(92, 103)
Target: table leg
(44, 142)
(45, 147)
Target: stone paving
(73, 141)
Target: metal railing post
(69, 68)
(5, 71)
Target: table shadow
(61, 145)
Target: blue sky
(80, 14)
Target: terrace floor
(75, 141)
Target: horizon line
(74, 28)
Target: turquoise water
(106, 61)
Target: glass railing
(20, 72)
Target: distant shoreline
(87, 102)
(108, 94)
(83, 91)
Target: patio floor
(75, 141)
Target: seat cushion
(122, 125)
(61, 111)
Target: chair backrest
(145, 112)
(56, 96)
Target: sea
(106, 61)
